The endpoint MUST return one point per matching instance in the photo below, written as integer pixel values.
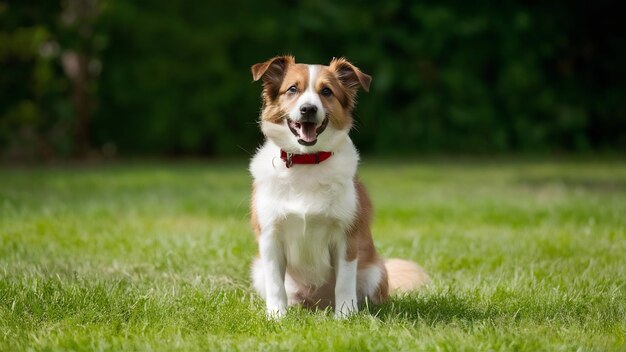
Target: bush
(448, 76)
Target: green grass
(525, 255)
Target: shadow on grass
(435, 309)
(503, 306)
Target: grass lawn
(525, 255)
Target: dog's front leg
(273, 259)
(345, 286)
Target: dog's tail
(405, 276)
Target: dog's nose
(307, 110)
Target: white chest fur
(307, 242)
(307, 207)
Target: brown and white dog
(310, 213)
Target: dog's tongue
(308, 131)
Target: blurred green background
(114, 77)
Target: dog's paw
(345, 309)
(276, 313)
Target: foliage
(525, 256)
(448, 76)
(34, 114)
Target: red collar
(315, 158)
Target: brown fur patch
(382, 292)
(366, 251)
(350, 75)
(273, 113)
(276, 110)
(276, 100)
(350, 78)
(337, 105)
(359, 235)
(296, 75)
(272, 72)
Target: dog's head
(308, 108)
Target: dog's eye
(326, 92)
(292, 89)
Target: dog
(310, 213)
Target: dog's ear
(349, 75)
(272, 68)
(272, 72)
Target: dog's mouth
(307, 132)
